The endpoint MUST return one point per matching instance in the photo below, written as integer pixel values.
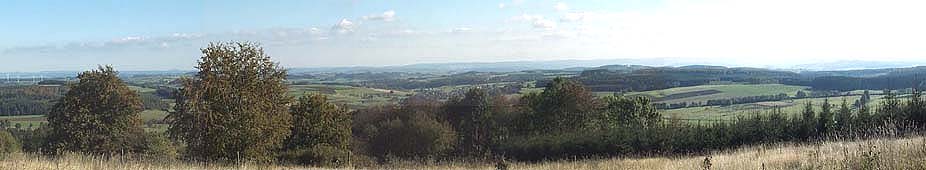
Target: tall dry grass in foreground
(901, 153)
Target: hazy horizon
(167, 35)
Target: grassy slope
(896, 153)
(727, 91)
(353, 97)
(786, 106)
(36, 120)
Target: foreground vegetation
(882, 153)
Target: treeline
(724, 102)
(655, 78)
(668, 77)
(404, 81)
(28, 100)
(747, 99)
(842, 83)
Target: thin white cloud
(537, 21)
(561, 7)
(461, 30)
(387, 16)
(128, 40)
(501, 5)
(544, 24)
(572, 17)
(343, 27)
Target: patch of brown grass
(888, 153)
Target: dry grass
(902, 153)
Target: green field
(791, 107)
(38, 120)
(149, 115)
(25, 120)
(141, 89)
(715, 92)
(353, 97)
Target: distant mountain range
(853, 65)
(580, 65)
(567, 65)
(508, 66)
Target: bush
(31, 140)
(412, 130)
(417, 136)
(320, 155)
(158, 146)
(320, 134)
(8, 143)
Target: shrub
(319, 155)
(158, 146)
(320, 134)
(416, 137)
(8, 143)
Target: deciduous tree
(235, 107)
(99, 115)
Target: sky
(47, 35)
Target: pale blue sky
(149, 35)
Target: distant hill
(853, 65)
(509, 66)
(892, 78)
(641, 78)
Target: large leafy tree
(321, 132)
(99, 115)
(471, 116)
(564, 105)
(621, 111)
(235, 107)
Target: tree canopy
(235, 107)
(99, 114)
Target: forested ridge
(28, 100)
(655, 78)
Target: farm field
(25, 121)
(353, 97)
(37, 120)
(707, 92)
(731, 112)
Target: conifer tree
(915, 108)
(825, 120)
(863, 118)
(890, 108)
(808, 118)
(843, 117)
